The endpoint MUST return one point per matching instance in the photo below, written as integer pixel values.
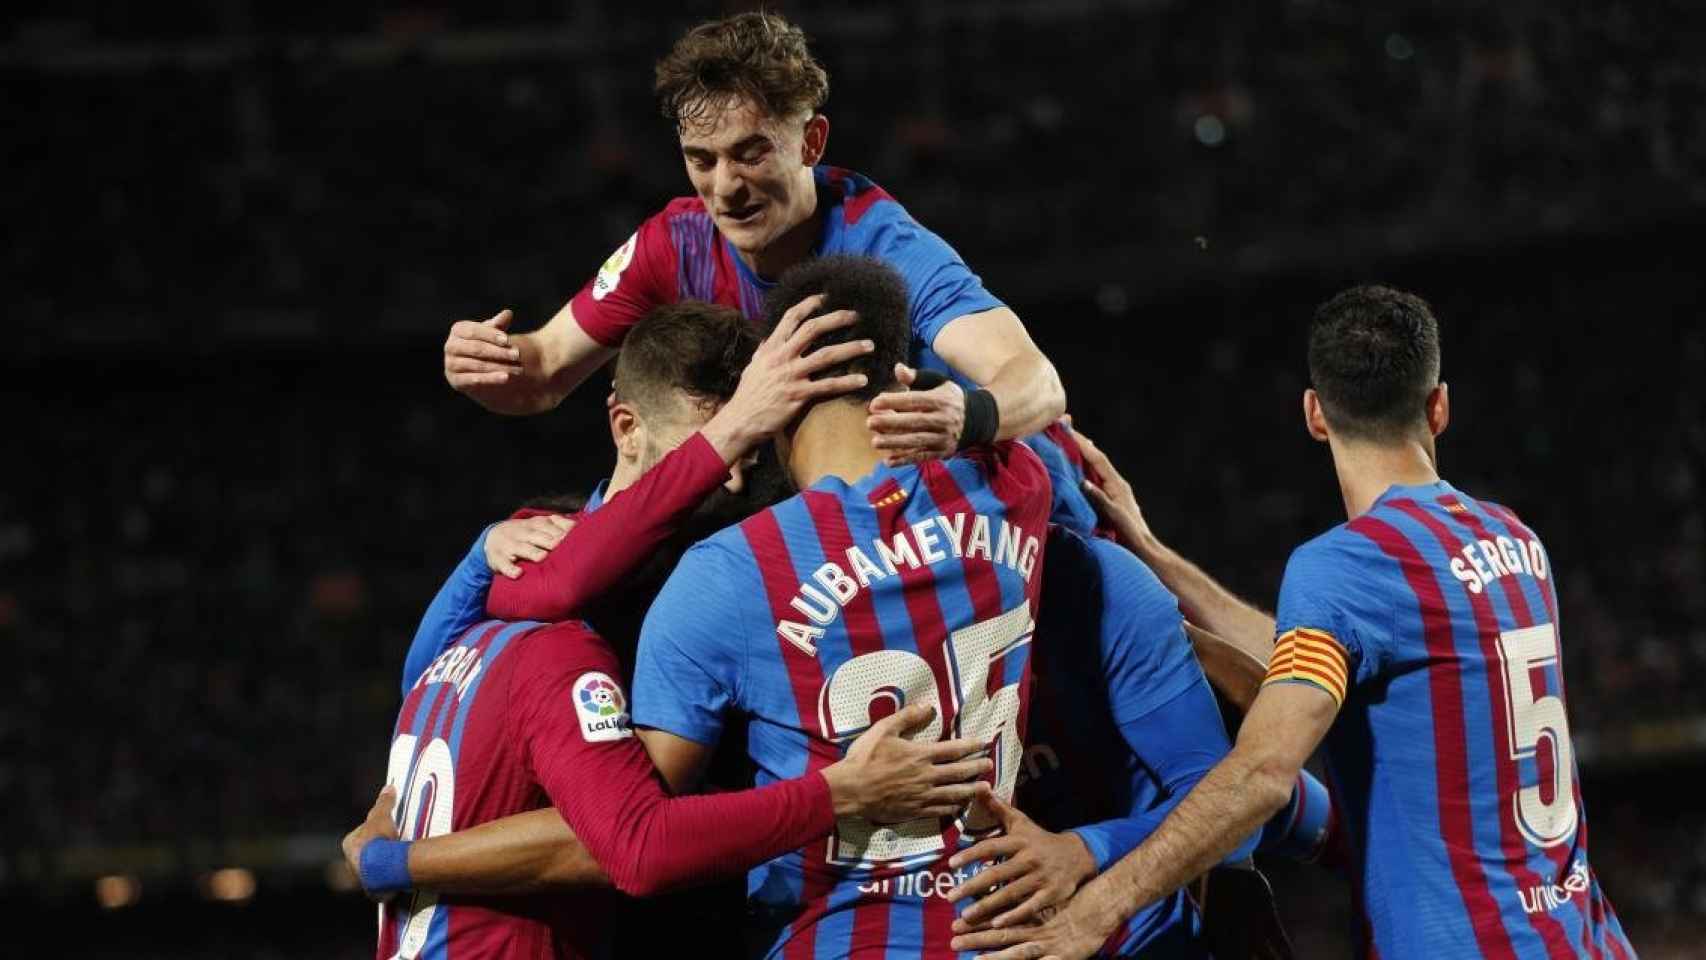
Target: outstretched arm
(1203, 599)
(1254, 782)
(520, 373)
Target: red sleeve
(570, 713)
(637, 277)
(611, 542)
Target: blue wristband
(385, 866)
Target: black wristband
(982, 419)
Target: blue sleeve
(1327, 589)
(460, 604)
(1180, 741)
(940, 286)
(1162, 703)
(692, 651)
(1300, 830)
(1146, 655)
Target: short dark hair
(759, 57)
(864, 285)
(1373, 360)
(692, 346)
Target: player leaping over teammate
(1420, 640)
(745, 96)
(508, 715)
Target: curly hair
(759, 57)
(865, 285)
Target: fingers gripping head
(866, 286)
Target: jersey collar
(829, 200)
(1422, 492)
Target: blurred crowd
(236, 476)
(242, 182)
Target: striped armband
(1310, 656)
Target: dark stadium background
(236, 234)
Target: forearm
(1028, 395)
(651, 842)
(611, 542)
(1215, 819)
(555, 359)
(1233, 671)
(526, 853)
(1202, 599)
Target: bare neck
(831, 440)
(1366, 470)
(794, 245)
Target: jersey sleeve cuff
(1305, 655)
(703, 458)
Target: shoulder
(859, 198)
(569, 646)
(662, 229)
(1329, 556)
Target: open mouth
(744, 214)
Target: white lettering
(1007, 548)
(902, 552)
(1461, 571)
(800, 635)
(1537, 559)
(1494, 560)
(953, 530)
(1479, 564)
(1028, 558)
(925, 533)
(837, 582)
(822, 613)
(979, 541)
(863, 568)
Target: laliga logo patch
(610, 274)
(602, 709)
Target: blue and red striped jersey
(678, 254)
(463, 752)
(1432, 619)
(824, 613)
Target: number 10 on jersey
(894, 678)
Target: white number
(899, 677)
(430, 783)
(1533, 720)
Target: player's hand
(532, 538)
(777, 381)
(478, 353)
(1071, 932)
(1113, 498)
(1037, 868)
(377, 826)
(887, 778)
(912, 426)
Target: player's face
(753, 172)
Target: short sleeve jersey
(678, 254)
(1432, 619)
(819, 616)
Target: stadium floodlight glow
(230, 885)
(117, 891)
(1210, 130)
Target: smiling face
(753, 172)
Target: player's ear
(1439, 409)
(1314, 418)
(627, 431)
(816, 140)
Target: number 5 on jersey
(895, 678)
